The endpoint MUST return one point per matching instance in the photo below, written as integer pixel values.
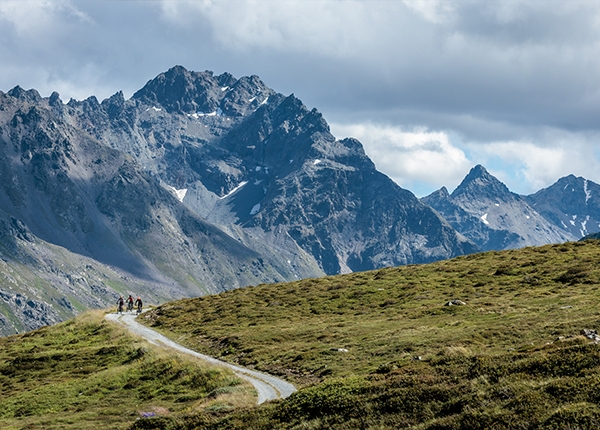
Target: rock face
(267, 170)
(572, 203)
(81, 222)
(485, 211)
(197, 184)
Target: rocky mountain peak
(55, 100)
(293, 111)
(30, 96)
(480, 183)
(575, 182)
(114, 105)
(439, 195)
(202, 93)
(226, 80)
(116, 99)
(572, 203)
(181, 91)
(569, 191)
(479, 173)
(91, 103)
(281, 134)
(485, 211)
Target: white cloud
(27, 18)
(470, 71)
(417, 159)
(43, 44)
(435, 11)
(423, 160)
(333, 28)
(40, 18)
(529, 165)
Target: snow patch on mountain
(180, 194)
(484, 219)
(587, 192)
(234, 190)
(583, 229)
(197, 115)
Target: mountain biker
(138, 303)
(130, 303)
(120, 302)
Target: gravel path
(267, 386)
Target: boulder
(455, 302)
(591, 334)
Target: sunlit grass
(524, 311)
(88, 374)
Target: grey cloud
(483, 71)
(548, 22)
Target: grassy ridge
(381, 350)
(88, 374)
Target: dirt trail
(267, 386)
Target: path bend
(267, 386)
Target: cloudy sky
(430, 87)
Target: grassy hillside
(90, 374)
(382, 350)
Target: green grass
(89, 374)
(511, 357)
(371, 350)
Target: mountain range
(201, 183)
(484, 210)
(196, 184)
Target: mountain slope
(61, 187)
(572, 203)
(485, 211)
(499, 340)
(388, 349)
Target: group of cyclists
(130, 304)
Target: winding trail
(267, 386)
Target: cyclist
(138, 303)
(120, 302)
(130, 303)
